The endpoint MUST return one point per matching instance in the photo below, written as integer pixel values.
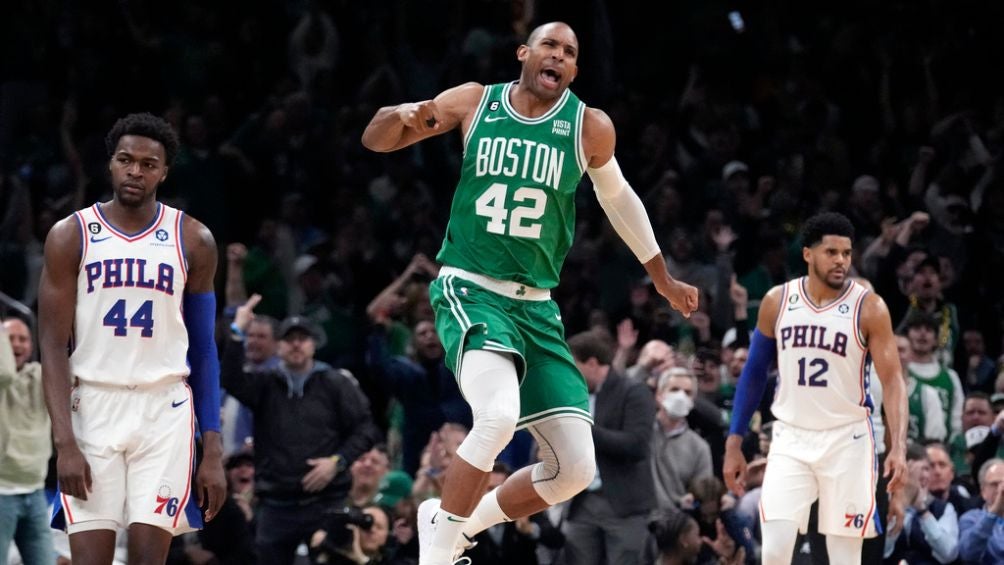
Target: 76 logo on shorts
(855, 520)
(166, 504)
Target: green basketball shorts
(478, 312)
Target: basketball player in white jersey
(129, 284)
(825, 331)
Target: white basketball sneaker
(427, 516)
(426, 519)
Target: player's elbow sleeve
(624, 209)
(203, 360)
(752, 381)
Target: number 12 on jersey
(819, 368)
(142, 318)
(491, 205)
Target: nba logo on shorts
(75, 404)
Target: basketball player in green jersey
(526, 146)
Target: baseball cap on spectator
(303, 264)
(975, 435)
(733, 167)
(394, 486)
(303, 324)
(865, 183)
(997, 400)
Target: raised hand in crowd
(740, 298)
(390, 300)
(627, 338)
(911, 227)
(723, 238)
(245, 312)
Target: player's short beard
(133, 201)
(823, 277)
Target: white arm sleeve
(624, 210)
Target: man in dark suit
(607, 521)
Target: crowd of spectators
(733, 127)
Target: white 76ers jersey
(128, 327)
(823, 364)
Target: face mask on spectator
(677, 404)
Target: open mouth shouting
(550, 78)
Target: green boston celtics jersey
(916, 423)
(513, 213)
(943, 385)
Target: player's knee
(571, 478)
(566, 468)
(494, 426)
(496, 423)
(489, 383)
(579, 473)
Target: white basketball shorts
(140, 444)
(838, 466)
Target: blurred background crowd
(735, 121)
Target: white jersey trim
(157, 219)
(553, 111)
(580, 152)
(83, 240)
(179, 246)
(485, 95)
(817, 309)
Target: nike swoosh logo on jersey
(790, 308)
(490, 119)
(558, 316)
(434, 516)
(857, 436)
(99, 240)
(177, 404)
(452, 519)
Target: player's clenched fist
(420, 116)
(682, 297)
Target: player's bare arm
(57, 300)
(202, 257)
(201, 254)
(770, 308)
(396, 127)
(734, 463)
(599, 139)
(876, 325)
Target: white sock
(444, 540)
(487, 514)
